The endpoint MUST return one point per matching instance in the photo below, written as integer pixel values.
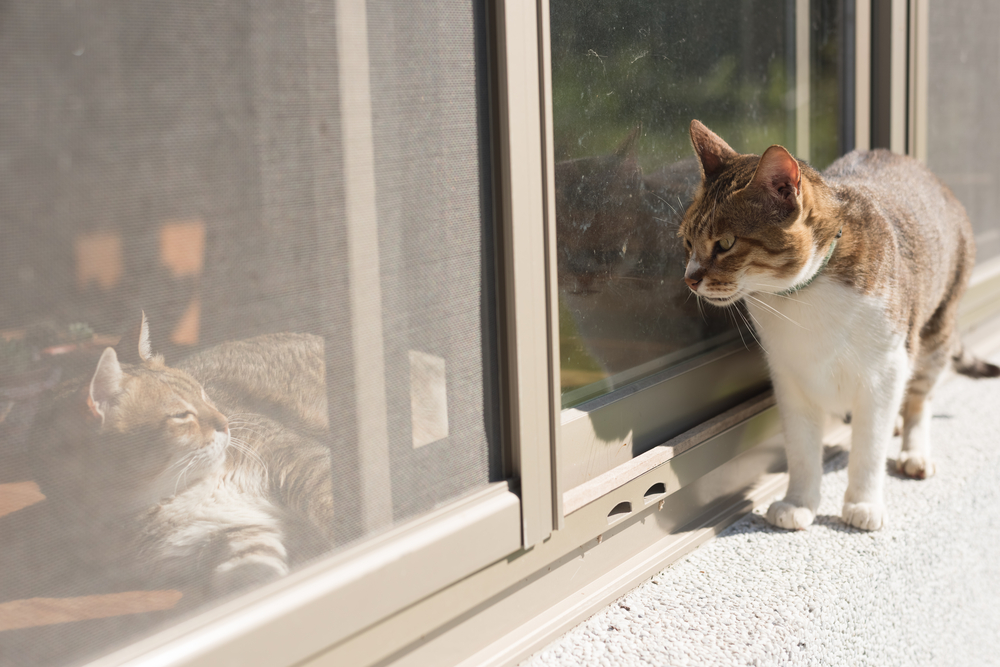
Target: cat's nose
(693, 282)
(223, 425)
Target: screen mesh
(322, 297)
(963, 87)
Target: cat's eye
(725, 243)
(182, 415)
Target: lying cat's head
(132, 434)
(753, 225)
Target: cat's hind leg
(915, 458)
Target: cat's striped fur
(206, 476)
(853, 280)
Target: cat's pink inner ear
(778, 173)
(711, 150)
(106, 383)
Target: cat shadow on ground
(756, 523)
(890, 463)
(835, 460)
(835, 523)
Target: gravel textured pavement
(924, 590)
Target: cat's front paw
(917, 466)
(866, 516)
(789, 516)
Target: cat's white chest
(826, 341)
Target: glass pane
(831, 80)
(963, 90)
(627, 78)
(311, 247)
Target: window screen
(246, 298)
(963, 144)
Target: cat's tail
(967, 363)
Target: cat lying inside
(205, 477)
(853, 279)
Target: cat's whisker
(253, 427)
(776, 311)
(748, 326)
(667, 203)
(183, 460)
(772, 309)
(248, 428)
(755, 335)
(238, 442)
(242, 423)
(242, 437)
(783, 296)
(242, 418)
(245, 449)
(660, 198)
(183, 473)
(244, 446)
(250, 455)
(738, 329)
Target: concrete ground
(924, 590)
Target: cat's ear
(626, 149)
(778, 174)
(134, 348)
(712, 151)
(628, 173)
(105, 385)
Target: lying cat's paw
(791, 517)
(866, 516)
(917, 466)
(242, 577)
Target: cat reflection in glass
(853, 279)
(207, 477)
(620, 260)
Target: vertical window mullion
(363, 259)
(525, 266)
(863, 73)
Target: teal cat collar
(826, 260)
